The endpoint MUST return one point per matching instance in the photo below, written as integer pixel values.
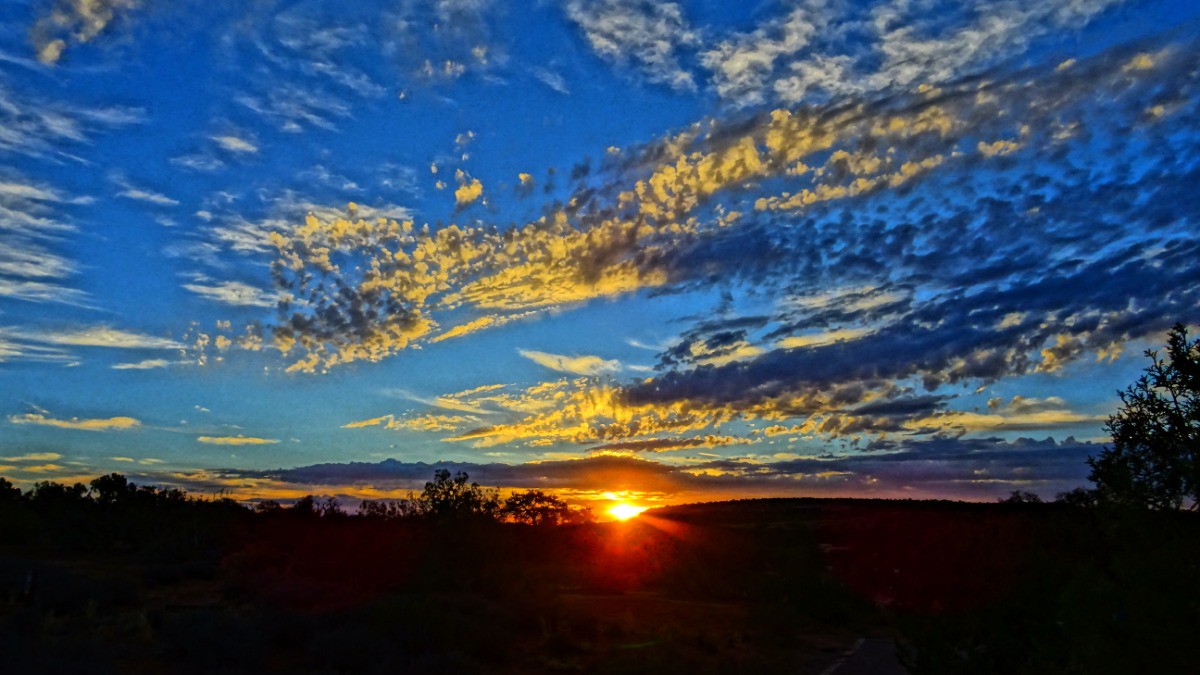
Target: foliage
(1021, 497)
(447, 498)
(379, 509)
(8, 491)
(48, 494)
(1080, 498)
(1154, 461)
(534, 507)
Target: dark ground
(762, 586)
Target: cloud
(50, 345)
(234, 293)
(481, 323)
(429, 422)
(235, 144)
(147, 364)
(1020, 413)
(850, 363)
(978, 469)
(32, 227)
(887, 201)
(130, 191)
(97, 336)
(235, 440)
(198, 162)
(74, 22)
(42, 128)
(669, 444)
(819, 52)
(372, 422)
(468, 191)
(646, 35)
(575, 365)
(552, 79)
(293, 108)
(107, 424)
(316, 47)
(744, 65)
(34, 457)
(15, 349)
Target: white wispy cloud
(818, 51)
(647, 35)
(31, 226)
(45, 128)
(16, 350)
(235, 144)
(743, 65)
(198, 162)
(147, 364)
(34, 457)
(235, 293)
(14, 190)
(149, 196)
(552, 79)
(576, 365)
(96, 336)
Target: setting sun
(625, 511)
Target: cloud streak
(77, 424)
(979, 469)
(574, 365)
(235, 440)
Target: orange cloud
(235, 440)
(108, 424)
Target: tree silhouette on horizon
(1154, 461)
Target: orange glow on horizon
(624, 511)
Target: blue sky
(680, 250)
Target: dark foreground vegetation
(115, 578)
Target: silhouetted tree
(305, 507)
(453, 498)
(267, 506)
(111, 489)
(375, 509)
(331, 508)
(535, 507)
(8, 492)
(1021, 497)
(51, 494)
(1154, 461)
(378, 509)
(1079, 498)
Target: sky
(661, 251)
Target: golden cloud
(108, 424)
(76, 20)
(469, 189)
(361, 289)
(235, 440)
(34, 457)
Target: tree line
(446, 498)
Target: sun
(623, 511)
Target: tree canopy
(1154, 461)
(447, 498)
